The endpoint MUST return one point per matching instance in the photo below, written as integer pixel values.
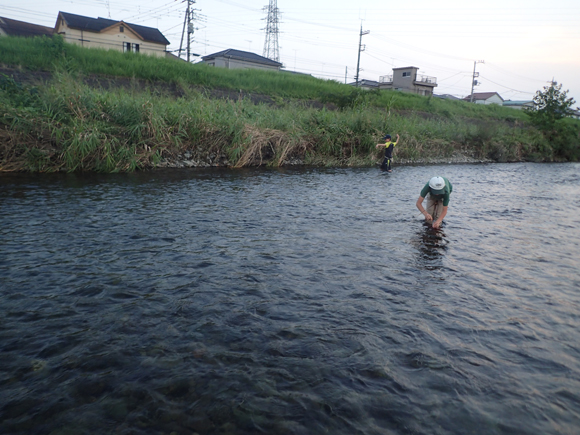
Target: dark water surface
(290, 302)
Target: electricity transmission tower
(271, 49)
(187, 24)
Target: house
(485, 98)
(298, 73)
(366, 84)
(519, 105)
(10, 27)
(406, 79)
(447, 97)
(235, 59)
(110, 34)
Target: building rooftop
(20, 28)
(81, 22)
(482, 96)
(242, 55)
(366, 83)
(517, 102)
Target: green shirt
(444, 196)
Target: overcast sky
(524, 44)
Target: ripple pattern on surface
(291, 302)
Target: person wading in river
(437, 192)
(389, 146)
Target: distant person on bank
(389, 147)
(437, 192)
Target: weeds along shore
(95, 110)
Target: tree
(550, 106)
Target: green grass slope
(169, 109)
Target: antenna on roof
(109, 9)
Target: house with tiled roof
(10, 27)
(366, 84)
(485, 98)
(110, 34)
(235, 59)
(446, 97)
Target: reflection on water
(290, 302)
(432, 245)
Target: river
(290, 301)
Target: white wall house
(407, 79)
(236, 59)
(485, 98)
(110, 34)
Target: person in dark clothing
(389, 147)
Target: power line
(420, 49)
(514, 74)
(507, 87)
(154, 11)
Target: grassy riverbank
(110, 111)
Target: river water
(291, 301)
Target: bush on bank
(67, 125)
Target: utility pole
(187, 24)
(361, 47)
(473, 81)
(271, 48)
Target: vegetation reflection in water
(289, 301)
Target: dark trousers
(386, 165)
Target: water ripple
(290, 301)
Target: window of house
(128, 47)
(406, 74)
(121, 29)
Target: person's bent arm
(419, 204)
(437, 223)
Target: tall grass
(51, 54)
(67, 125)
(72, 127)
